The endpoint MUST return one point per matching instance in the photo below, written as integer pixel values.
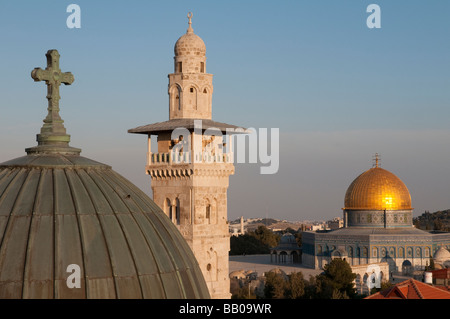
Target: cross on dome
(376, 160)
(53, 135)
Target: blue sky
(338, 91)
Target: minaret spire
(190, 30)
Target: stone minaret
(190, 170)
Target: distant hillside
(439, 220)
(270, 223)
(254, 224)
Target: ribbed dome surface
(57, 210)
(377, 189)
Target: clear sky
(338, 91)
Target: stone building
(377, 228)
(191, 168)
(72, 228)
(287, 251)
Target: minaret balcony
(173, 158)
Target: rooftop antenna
(267, 215)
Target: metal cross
(53, 78)
(376, 160)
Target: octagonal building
(378, 228)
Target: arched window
(168, 208)
(193, 97)
(175, 98)
(418, 252)
(392, 252)
(365, 252)
(208, 213)
(177, 211)
(178, 98)
(410, 252)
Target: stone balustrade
(185, 158)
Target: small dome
(190, 43)
(238, 274)
(278, 271)
(377, 189)
(287, 238)
(441, 255)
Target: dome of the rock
(377, 189)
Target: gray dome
(288, 238)
(58, 208)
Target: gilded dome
(377, 189)
(190, 43)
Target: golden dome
(377, 189)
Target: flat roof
(190, 124)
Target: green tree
(338, 276)
(438, 224)
(298, 238)
(244, 292)
(275, 286)
(296, 286)
(247, 244)
(265, 236)
(431, 266)
(312, 288)
(337, 294)
(383, 286)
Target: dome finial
(190, 30)
(53, 137)
(376, 160)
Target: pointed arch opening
(168, 208)
(177, 211)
